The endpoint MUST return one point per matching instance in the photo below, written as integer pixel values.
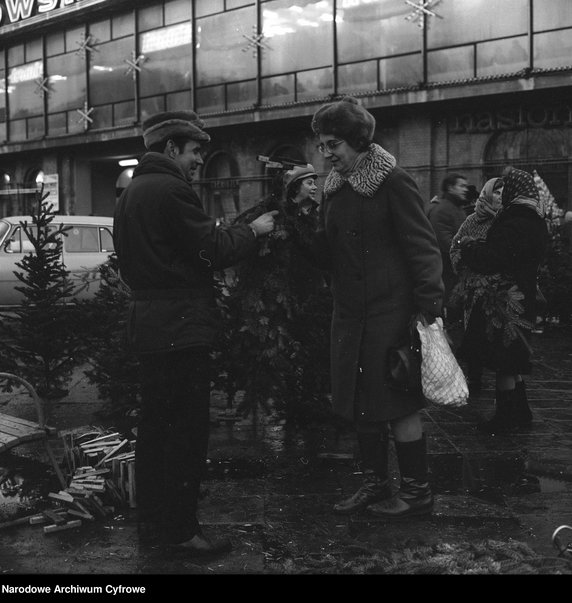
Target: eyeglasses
(329, 145)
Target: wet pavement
(271, 488)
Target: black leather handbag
(403, 370)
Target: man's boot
(375, 487)
(522, 412)
(503, 420)
(414, 496)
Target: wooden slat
(18, 420)
(22, 431)
(11, 420)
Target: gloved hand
(425, 317)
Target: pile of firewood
(101, 471)
(109, 454)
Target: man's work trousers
(172, 440)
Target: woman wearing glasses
(385, 266)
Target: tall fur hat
(347, 120)
(169, 124)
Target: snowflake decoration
(422, 11)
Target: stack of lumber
(100, 477)
(110, 455)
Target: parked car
(88, 244)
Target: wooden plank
(20, 430)
(105, 437)
(75, 523)
(4, 417)
(131, 484)
(39, 519)
(112, 452)
(54, 517)
(16, 422)
(16, 522)
(61, 497)
(75, 513)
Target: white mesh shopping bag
(442, 379)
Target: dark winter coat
(168, 249)
(385, 265)
(446, 217)
(514, 248)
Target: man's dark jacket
(168, 249)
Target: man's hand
(264, 223)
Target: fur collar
(369, 175)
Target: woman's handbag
(403, 370)
(442, 379)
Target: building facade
(455, 85)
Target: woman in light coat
(385, 267)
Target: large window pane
(66, 75)
(22, 89)
(400, 72)
(241, 95)
(502, 56)
(476, 21)
(374, 29)
(553, 49)
(312, 84)
(220, 44)
(168, 59)
(108, 78)
(208, 7)
(550, 14)
(450, 65)
(357, 77)
(298, 35)
(149, 17)
(279, 89)
(211, 100)
(177, 11)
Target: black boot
(414, 496)
(522, 412)
(375, 487)
(503, 420)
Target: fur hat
(297, 173)
(169, 124)
(347, 120)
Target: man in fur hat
(168, 248)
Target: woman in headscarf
(476, 226)
(381, 252)
(505, 310)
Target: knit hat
(347, 120)
(297, 173)
(170, 124)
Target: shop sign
(16, 11)
(513, 118)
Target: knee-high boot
(414, 496)
(503, 420)
(374, 463)
(522, 412)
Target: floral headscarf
(520, 189)
(487, 206)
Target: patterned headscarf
(487, 206)
(520, 189)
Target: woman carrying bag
(385, 266)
